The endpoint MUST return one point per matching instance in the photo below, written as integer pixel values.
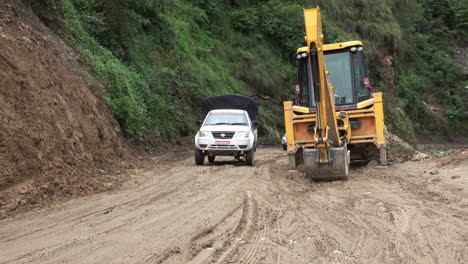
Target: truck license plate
(222, 142)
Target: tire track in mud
(72, 218)
(111, 225)
(210, 212)
(242, 232)
(128, 209)
(198, 220)
(379, 222)
(204, 239)
(212, 243)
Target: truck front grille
(223, 135)
(223, 147)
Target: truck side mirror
(254, 123)
(199, 122)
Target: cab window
(339, 68)
(360, 75)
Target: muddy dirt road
(415, 212)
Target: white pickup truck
(227, 132)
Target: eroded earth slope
(57, 138)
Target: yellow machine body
(324, 133)
(369, 113)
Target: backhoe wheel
(249, 157)
(199, 157)
(211, 158)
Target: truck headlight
(242, 135)
(203, 134)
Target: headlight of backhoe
(203, 134)
(242, 135)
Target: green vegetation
(159, 58)
(414, 34)
(425, 66)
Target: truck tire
(211, 159)
(199, 157)
(249, 157)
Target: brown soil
(176, 212)
(57, 138)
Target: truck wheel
(249, 157)
(211, 158)
(199, 157)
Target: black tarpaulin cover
(230, 101)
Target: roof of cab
(335, 46)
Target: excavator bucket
(337, 168)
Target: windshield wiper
(238, 124)
(215, 124)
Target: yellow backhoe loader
(336, 115)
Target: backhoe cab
(335, 109)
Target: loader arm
(328, 157)
(327, 128)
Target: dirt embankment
(57, 138)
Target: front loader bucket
(337, 169)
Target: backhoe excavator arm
(326, 125)
(327, 157)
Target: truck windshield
(226, 119)
(339, 67)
